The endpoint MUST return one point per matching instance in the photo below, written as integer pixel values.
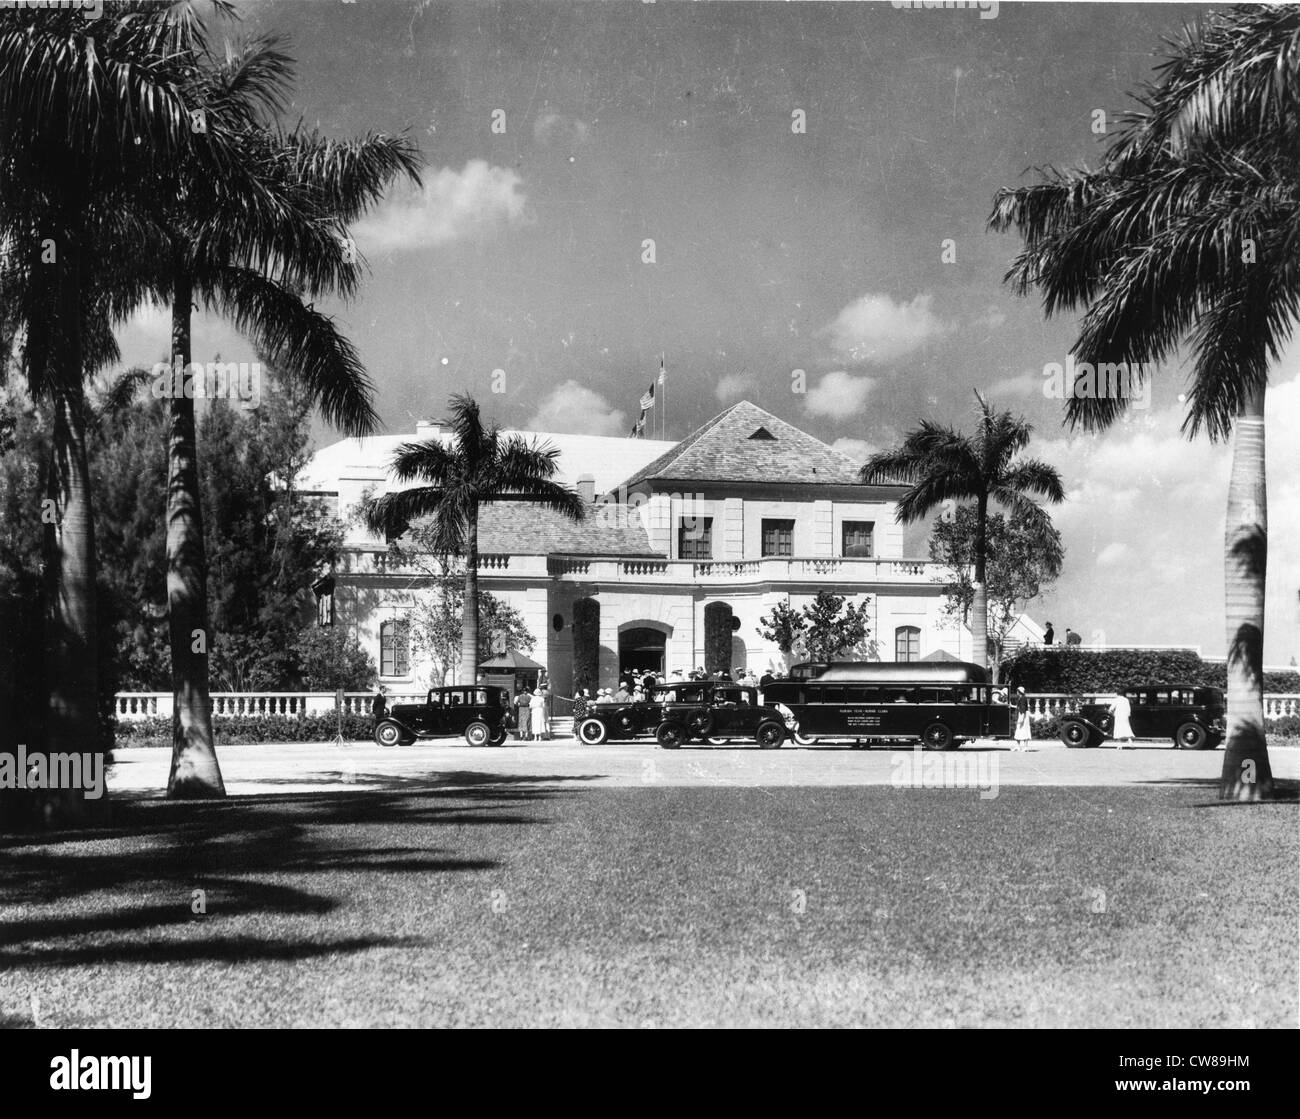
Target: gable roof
(748, 444)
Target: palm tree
(481, 467)
(251, 245)
(941, 464)
(1186, 235)
(82, 121)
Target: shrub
(1287, 726)
(240, 730)
(1047, 726)
(1059, 668)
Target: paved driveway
(298, 767)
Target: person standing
(522, 714)
(581, 703)
(1049, 634)
(1023, 730)
(379, 705)
(537, 707)
(1121, 729)
(1072, 638)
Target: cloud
(555, 129)
(838, 394)
(578, 410)
(874, 329)
(732, 385)
(859, 450)
(1114, 552)
(992, 318)
(451, 206)
(1027, 384)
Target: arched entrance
(641, 650)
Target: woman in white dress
(538, 709)
(1023, 730)
(1122, 731)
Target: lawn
(508, 904)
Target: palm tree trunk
(979, 622)
(1246, 772)
(468, 673)
(71, 646)
(195, 771)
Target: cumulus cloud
(838, 394)
(732, 385)
(555, 129)
(578, 410)
(1143, 527)
(874, 329)
(1027, 384)
(1114, 552)
(452, 205)
(859, 450)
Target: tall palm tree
(1187, 236)
(942, 464)
(252, 245)
(481, 466)
(82, 121)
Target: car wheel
(625, 723)
(770, 735)
(803, 739)
(389, 733)
(701, 724)
(501, 735)
(715, 740)
(1191, 736)
(592, 732)
(936, 737)
(477, 734)
(670, 735)
(1075, 735)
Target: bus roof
(890, 672)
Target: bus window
(832, 695)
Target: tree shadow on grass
(1286, 790)
(267, 866)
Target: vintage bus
(939, 704)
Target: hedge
(1061, 669)
(238, 730)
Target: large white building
(680, 540)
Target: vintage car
(481, 713)
(707, 710)
(1192, 717)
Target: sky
(788, 202)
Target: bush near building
(1069, 671)
(245, 730)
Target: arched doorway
(641, 650)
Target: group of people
(1071, 638)
(1121, 731)
(533, 713)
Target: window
(907, 643)
(778, 538)
(695, 538)
(857, 538)
(325, 610)
(393, 651)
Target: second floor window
(393, 652)
(778, 538)
(695, 538)
(857, 538)
(907, 643)
(325, 610)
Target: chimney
(587, 489)
(427, 429)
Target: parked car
(1193, 718)
(704, 709)
(481, 713)
(728, 712)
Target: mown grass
(503, 904)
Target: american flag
(648, 398)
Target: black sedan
(480, 713)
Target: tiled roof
(726, 450)
(517, 528)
